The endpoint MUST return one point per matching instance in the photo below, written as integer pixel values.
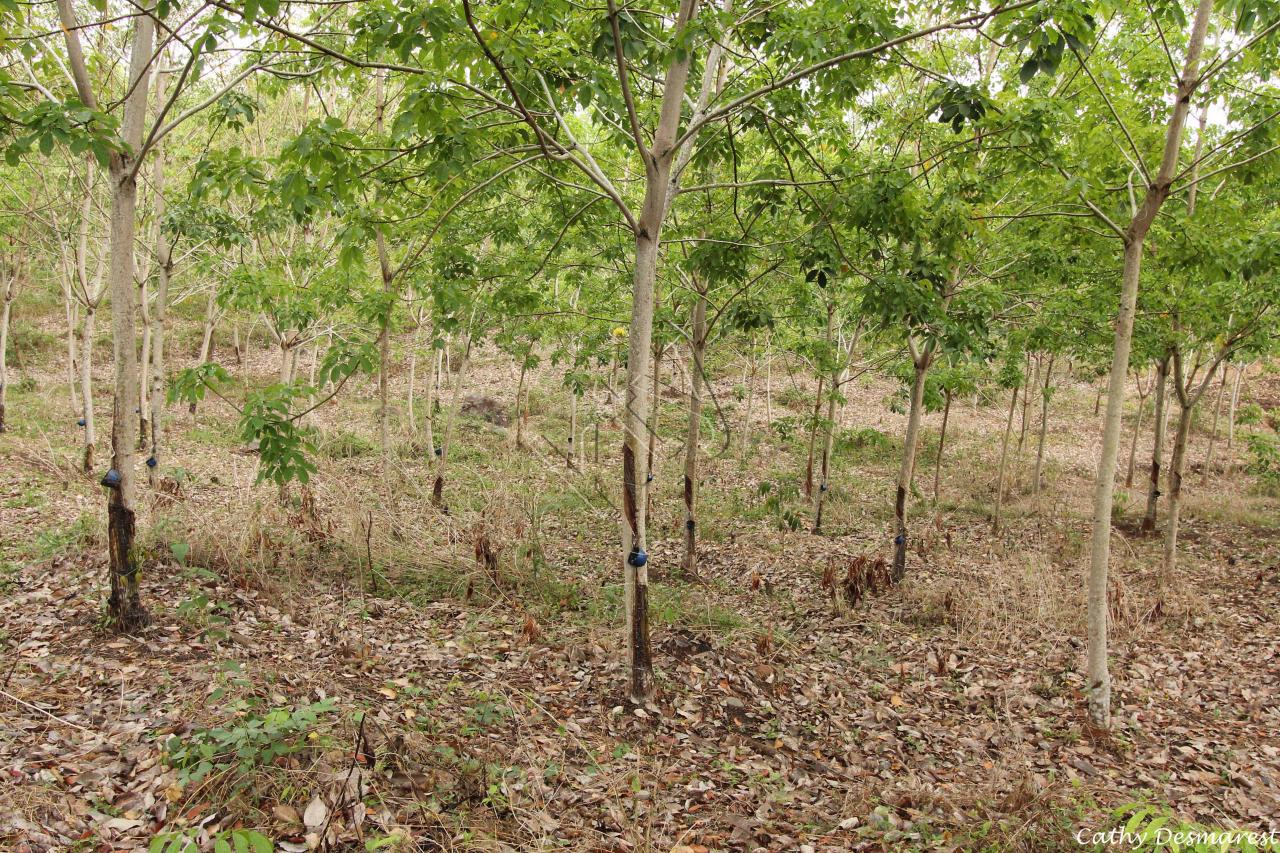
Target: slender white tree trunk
(86, 388)
(1004, 458)
(942, 443)
(697, 357)
(829, 428)
(1159, 416)
(144, 363)
(906, 471)
(1045, 393)
(1231, 420)
(125, 603)
(442, 452)
(1213, 433)
(1177, 467)
(73, 356)
(1137, 431)
(6, 304)
(164, 270)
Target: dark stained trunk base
(900, 541)
(642, 664)
(124, 607)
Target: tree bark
(519, 410)
(697, 355)
(1097, 674)
(206, 337)
(768, 383)
(73, 356)
(906, 471)
(164, 270)
(6, 304)
(442, 452)
(655, 410)
(1004, 458)
(570, 450)
(942, 442)
(1026, 401)
(388, 293)
(1213, 433)
(1157, 450)
(1037, 482)
(86, 387)
(1176, 469)
(1137, 430)
(813, 437)
(828, 428)
(125, 603)
(1231, 420)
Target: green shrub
(1264, 462)
(1249, 414)
(794, 398)
(254, 740)
(1144, 828)
(864, 438)
(345, 444)
(223, 841)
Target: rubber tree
(1217, 296)
(724, 297)
(504, 63)
(1155, 186)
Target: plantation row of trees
(960, 195)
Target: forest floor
(337, 671)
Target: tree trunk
(1004, 458)
(442, 452)
(813, 438)
(388, 293)
(942, 443)
(206, 337)
(125, 603)
(828, 429)
(1097, 675)
(655, 410)
(1217, 412)
(1037, 480)
(635, 488)
(569, 454)
(1177, 464)
(164, 270)
(1157, 450)
(906, 472)
(143, 405)
(697, 354)
(1026, 401)
(6, 303)
(413, 377)
(1231, 420)
(86, 387)
(429, 397)
(519, 412)
(73, 357)
(1133, 445)
(751, 397)
(768, 384)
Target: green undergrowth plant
(254, 739)
(223, 841)
(1264, 461)
(1147, 828)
